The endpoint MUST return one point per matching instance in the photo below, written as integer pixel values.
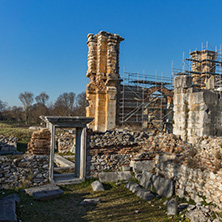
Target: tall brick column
(103, 72)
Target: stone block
(139, 166)
(97, 186)
(48, 195)
(172, 207)
(114, 176)
(90, 201)
(45, 192)
(146, 179)
(163, 186)
(125, 168)
(8, 210)
(183, 81)
(145, 194)
(13, 197)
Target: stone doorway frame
(79, 123)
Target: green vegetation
(22, 133)
(117, 204)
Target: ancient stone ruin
(138, 101)
(197, 98)
(186, 164)
(103, 72)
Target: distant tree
(27, 99)
(42, 98)
(64, 104)
(3, 105)
(81, 104)
(14, 113)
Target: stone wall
(113, 150)
(193, 173)
(197, 112)
(103, 72)
(66, 142)
(8, 144)
(23, 171)
(194, 184)
(40, 142)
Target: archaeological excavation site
(157, 137)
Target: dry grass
(23, 134)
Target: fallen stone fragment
(90, 201)
(146, 179)
(145, 194)
(134, 187)
(191, 207)
(97, 186)
(172, 207)
(13, 197)
(164, 187)
(8, 210)
(45, 192)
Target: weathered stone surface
(114, 176)
(90, 201)
(196, 216)
(13, 197)
(172, 207)
(134, 187)
(45, 192)
(23, 170)
(48, 194)
(139, 166)
(62, 162)
(7, 210)
(145, 194)
(97, 186)
(126, 168)
(146, 179)
(163, 186)
(103, 71)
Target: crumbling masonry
(197, 99)
(103, 71)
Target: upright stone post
(52, 150)
(83, 154)
(78, 151)
(103, 72)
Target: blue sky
(43, 42)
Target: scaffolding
(204, 66)
(146, 101)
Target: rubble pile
(8, 144)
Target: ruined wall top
(103, 54)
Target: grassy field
(23, 134)
(117, 204)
